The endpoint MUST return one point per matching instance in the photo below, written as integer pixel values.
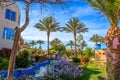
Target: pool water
(37, 71)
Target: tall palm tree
(75, 26)
(48, 24)
(95, 38)
(40, 42)
(111, 10)
(32, 43)
(70, 43)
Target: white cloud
(83, 11)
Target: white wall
(7, 23)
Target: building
(100, 52)
(9, 19)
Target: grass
(93, 72)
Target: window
(8, 34)
(11, 15)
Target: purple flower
(115, 43)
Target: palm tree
(111, 10)
(79, 38)
(83, 44)
(95, 38)
(75, 26)
(48, 24)
(102, 39)
(55, 42)
(26, 45)
(70, 43)
(32, 43)
(40, 42)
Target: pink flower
(114, 62)
(114, 56)
(115, 43)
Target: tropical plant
(61, 47)
(95, 38)
(88, 52)
(26, 45)
(83, 44)
(48, 24)
(70, 43)
(40, 42)
(102, 39)
(79, 38)
(111, 10)
(19, 30)
(23, 59)
(55, 42)
(32, 43)
(75, 26)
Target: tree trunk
(71, 47)
(113, 54)
(48, 34)
(13, 55)
(15, 44)
(40, 47)
(75, 44)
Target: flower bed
(63, 70)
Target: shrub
(52, 51)
(85, 62)
(65, 71)
(88, 52)
(59, 47)
(23, 60)
(76, 60)
(37, 58)
(5, 53)
(6, 50)
(4, 58)
(4, 63)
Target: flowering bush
(63, 70)
(6, 50)
(85, 62)
(4, 58)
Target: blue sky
(92, 19)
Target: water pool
(37, 71)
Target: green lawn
(93, 72)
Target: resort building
(9, 19)
(100, 52)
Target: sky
(93, 20)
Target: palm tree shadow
(88, 72)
